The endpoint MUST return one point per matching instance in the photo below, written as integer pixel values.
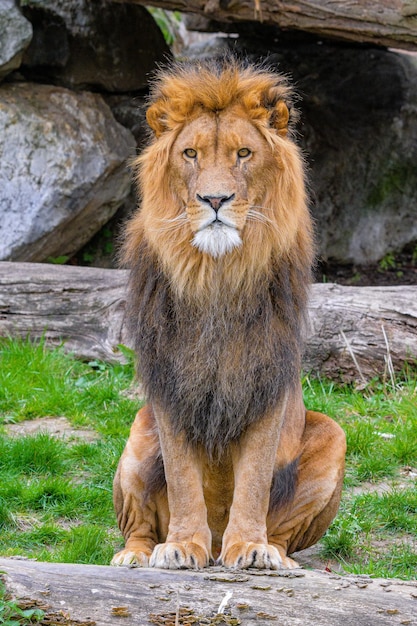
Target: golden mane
(186, 90)
(180, 95)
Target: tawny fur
(220, 255)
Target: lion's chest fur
(218, 367)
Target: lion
(224, 463)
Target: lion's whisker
(257, 216)
(168, 227)
(178, 218)
(260, 206)
(172, 223)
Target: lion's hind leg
(139, 493)
(301, 518)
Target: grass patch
(56, 495)
(33, 455)
(372, 530)
(380, 423)
(375, 531)
(87, 544)
(37, 382)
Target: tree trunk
(391, 23)
(355, 332)
(88, 595)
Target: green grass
(39, 454)
(37, 382)
(375, 531)
(380, 425)
(56, 495)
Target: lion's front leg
(188, 543)
(245, 542)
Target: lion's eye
(190, 153)
(243, 153)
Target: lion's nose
(215, 201)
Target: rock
(359, 108)
(130, 111)
(63, 169)
(93, 44)
(16, 33)
(359, 132)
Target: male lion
(224, 461)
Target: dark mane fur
(191, 357)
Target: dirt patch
(394, 269)
(56, 426)
(405, 480)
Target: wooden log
(358, 333)
(355, 332)
(78, 306)
(390, 23)
(96, 595)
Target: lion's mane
(218, 341)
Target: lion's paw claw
(247, 554)
(128, 558)
(173, 555)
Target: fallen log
(355, 332)
(387, 22)
(83, 308)
(361, 332)
(88, 595)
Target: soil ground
(395, 269)
(56, 426)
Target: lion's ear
(279, 118)
(155, 116)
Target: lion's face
(221, 181)
(219, 163)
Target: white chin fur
(217, 240)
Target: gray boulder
(63, 170)
(360, 135)
(15, 36)
(92, 44)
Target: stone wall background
(74, 75)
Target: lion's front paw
(173, 555)
(247, 554)
(128, 558)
